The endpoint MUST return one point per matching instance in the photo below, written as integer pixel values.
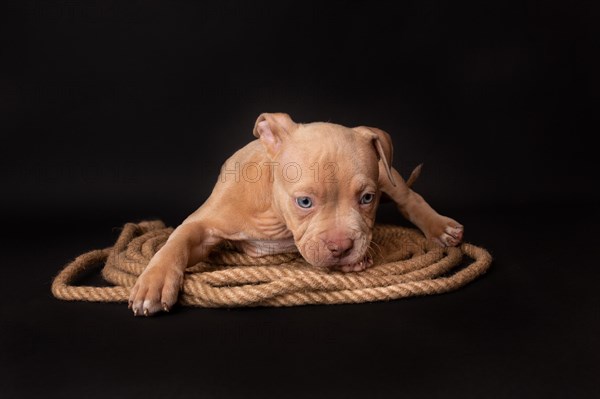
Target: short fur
(340, 172)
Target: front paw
(446, 232)
(155, 290)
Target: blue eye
(367, 198)
(304, 202)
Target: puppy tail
(414, 175)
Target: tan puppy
(312, 188)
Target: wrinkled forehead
(328, 153)
(328, 142)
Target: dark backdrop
(126, 104)
(112, 111)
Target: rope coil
(406, 265)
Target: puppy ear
(382, 144)
(273, 129)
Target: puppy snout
(340, 247)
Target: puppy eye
(367, 198)
(304, 202)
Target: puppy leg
(157, 288)
(441, 229)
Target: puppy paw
(447, 232)
(155, 290)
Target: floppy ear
(382, 144)
(273, 129)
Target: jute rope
(405, 265)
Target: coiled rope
(405, 265)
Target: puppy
(312, 188)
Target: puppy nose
(340, 247)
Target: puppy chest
(265, 247)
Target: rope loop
(405, 265)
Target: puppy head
(326, 186)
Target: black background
(116, 111)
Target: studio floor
(528, 328)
